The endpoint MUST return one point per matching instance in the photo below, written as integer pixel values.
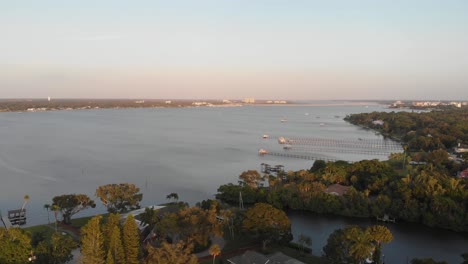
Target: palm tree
(56, 210)
(214, 250)
(47, 207)
(174, 196)
(26, 200)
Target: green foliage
(119, 197)
(354, 244)
(92, 242)
(426, 261)
(420, 131)
(70, 204)
(131, 240)
(192, 224)
(57, 250)
(426, 195)
(177, 253)
(268, 223)
(113, 220)
(115, 250)
(173, 196)
(465, 258)
(15, 246)
(250, 178)
(214, 251)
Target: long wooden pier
(339, 150)
(298, 155)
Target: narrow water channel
(409, 240)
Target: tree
(251, 178)
(56, 210)
(131, 240)
(47, 207)
(26, 200)
(57, 250)
(115, 251)
(177, 253)
(119, 197)
(379, 234)
(214, 250)
(113, 220)
(465, 258)
(268, 223)
(92, 242)
(174, 196)
(70, 204)
(304, 241)
(426, 261)
(15, 245)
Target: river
(190, 151)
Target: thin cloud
(102, 37)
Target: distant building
(249, 100)
(378, 122)
(252, 257)
(140, 102)
(463, 174)
(168, 102)
(337, 189)
(225, 101)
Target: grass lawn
(45, 229)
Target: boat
(287, 147)
(266, 136)
(282, 140)
(262, 151)
(322, 124)
(284, 120)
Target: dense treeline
(422, 195)
(424, 131)
(14, 105)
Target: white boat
(287, 147)
(262, 151)
(266, 136)
(282, 140)
(284, 120)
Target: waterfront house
(337, 189)
(463, 174)
(252, 257)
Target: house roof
(464, 173)
(337, 189)
(249, 257)
(252, 257)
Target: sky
(232, 49)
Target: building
(337, 189)
(249, 100)
(252, 257)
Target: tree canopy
(119, 197)
(176, 253)
(70, 204)
(15, 245)
(269, 223)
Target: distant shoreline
(40, 105)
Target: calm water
(190, 151)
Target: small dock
(386, 218)
(298, 156)
(17, 217)
(268, 169)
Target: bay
(190, 151)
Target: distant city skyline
(220, 49)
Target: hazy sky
(268, 49)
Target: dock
(386, 218)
